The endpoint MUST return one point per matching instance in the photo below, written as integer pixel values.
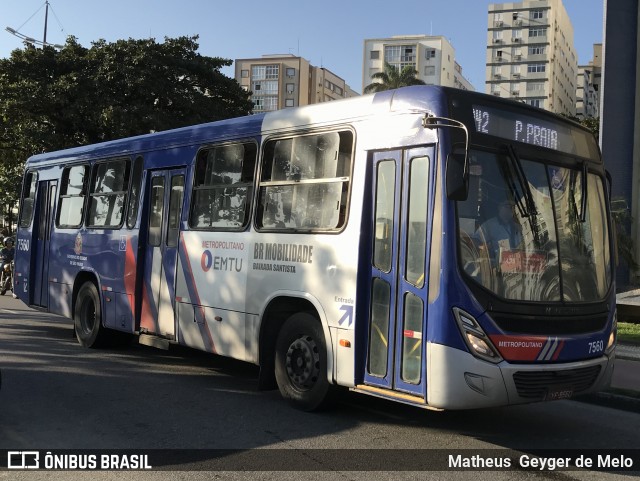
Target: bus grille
(537, 384)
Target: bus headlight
(613, 336)
(477, 341)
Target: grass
(629, 332)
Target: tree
(52, 99)
(392, 78)
(10, 181)
(592, 123)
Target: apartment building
(281, 81)
(530, 54)
(588, 86)
(433, 57)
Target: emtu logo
(23, 460)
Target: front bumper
(457, 380)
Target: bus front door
(164, 199)
(45, 210)
(398, 316)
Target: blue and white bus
(342, 244)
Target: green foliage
(52, 99)
(592, 123)
(392, 78)
(629, 332)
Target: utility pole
(46, 20)
(33, 41)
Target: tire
(301, 363)
(87, 317)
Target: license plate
(555, 393)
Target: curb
(625, 357)
(612, 400)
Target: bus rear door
(398, 319)
(165, 198)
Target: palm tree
(392, 78)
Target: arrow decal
(348, 314)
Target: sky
(329, 34)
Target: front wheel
(87, 316)
(301, 362)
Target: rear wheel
(88, 317)
(301, 362)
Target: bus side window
(28, 198)
(109, 183)
(72, 195)
(305, 182)
(223, 187)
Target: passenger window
(305, 182)
(223, 187)
(72, 195)
(109, 184)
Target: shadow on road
(57, 395)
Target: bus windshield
(526, 234)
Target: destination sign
(531, 130)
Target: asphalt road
(56, 395)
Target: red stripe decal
(147, 319)
(130, 277)
(197, 306)
(558, 349)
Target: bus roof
(430, 98)
(251, 125)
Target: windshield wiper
(529, 204)
(525, 202)
(579, 213)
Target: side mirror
(457, 174)
(457, 168)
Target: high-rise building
(433, 57)
(281, 81)
(588, 86)
(530, 54)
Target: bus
(348, 243)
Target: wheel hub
(303, 362)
